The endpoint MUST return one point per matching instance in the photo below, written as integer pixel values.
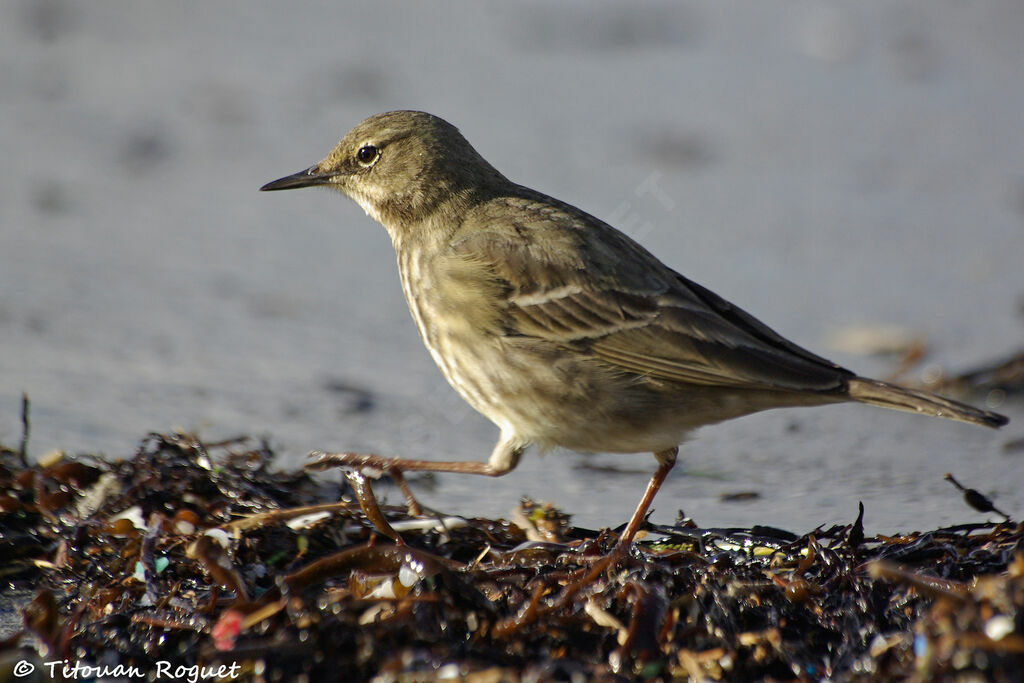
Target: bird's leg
(666, 459)
(395, 467)
(503, 459)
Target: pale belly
(549, 395)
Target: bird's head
(400, 167)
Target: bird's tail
(891, 396)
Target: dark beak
(308, 178)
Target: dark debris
(200, 554)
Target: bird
(559, 328)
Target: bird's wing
(596, 290)
(673, 336)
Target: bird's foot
(320, 460)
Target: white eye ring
(367, 155)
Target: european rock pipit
(558, 327)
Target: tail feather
(878, 393)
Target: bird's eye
(367, 154)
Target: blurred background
(827, 166)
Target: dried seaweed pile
(199, 555)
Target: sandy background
(821, 164)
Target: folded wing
(571, 279)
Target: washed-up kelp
(199, 558)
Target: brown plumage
(558, 327)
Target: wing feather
(573, 280)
